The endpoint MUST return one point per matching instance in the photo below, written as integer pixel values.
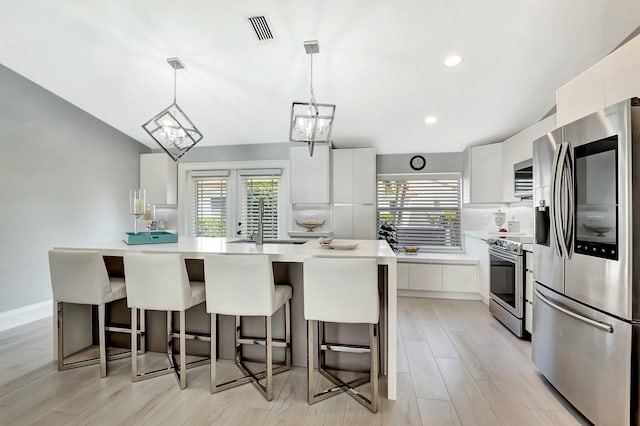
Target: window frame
(426, 177)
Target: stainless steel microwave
(523, 179)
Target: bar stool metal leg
(143, 331)
(103, 339)
(269, 359)
(183, 351)
(268, 342)
(134, 345)
(214, 353)
(341, 386)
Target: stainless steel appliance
(523, 179)
(587, 301)
(506, 282)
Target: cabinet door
(581, 96)
(528, 317)
(403, 276)
(364, 222)
(364, 176)
(528, 261)
(460, 278)
(159, 177)
(425, 277)
(309, 176)
(342, 176)
(343, 221)
(486, 174)
(621, 72)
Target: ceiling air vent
(261, 30)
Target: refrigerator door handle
(568, 234)
(597, 324)
(557, 228)
(555, 201)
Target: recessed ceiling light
(432, 119)
(453, 60)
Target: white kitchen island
(287, 260)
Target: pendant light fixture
(171, 127)
(311, 122)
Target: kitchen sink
(270, 241)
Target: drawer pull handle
(597, 324)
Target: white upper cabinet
(354, 193)
(482, 174)
(309, 175)
(621, 73)
(611, 80)
(581, 96)
(159, 177)
(342, 176)
(354, 176)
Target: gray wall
(249, 152)
(443, 162)
(64, 177)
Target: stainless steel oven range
(506, 282)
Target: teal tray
(156, 237)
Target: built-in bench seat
(442, 275)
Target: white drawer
(528, 261)
(528, 286)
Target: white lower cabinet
(403, 276)
(460, 278)
(425, 277)
(438, 277)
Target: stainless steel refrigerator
(586, 249)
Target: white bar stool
(341, 291)
(159, 282)
(243, 285)
(80, 276)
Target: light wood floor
(456, 366)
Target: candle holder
(137, 202)
(149, 216)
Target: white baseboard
(25, 315)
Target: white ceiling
(380, 61)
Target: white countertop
(197, 247)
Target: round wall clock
(417, 162)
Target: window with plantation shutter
(424, 210)
(209, 206)
(256, 184)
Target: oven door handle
(597, 324)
